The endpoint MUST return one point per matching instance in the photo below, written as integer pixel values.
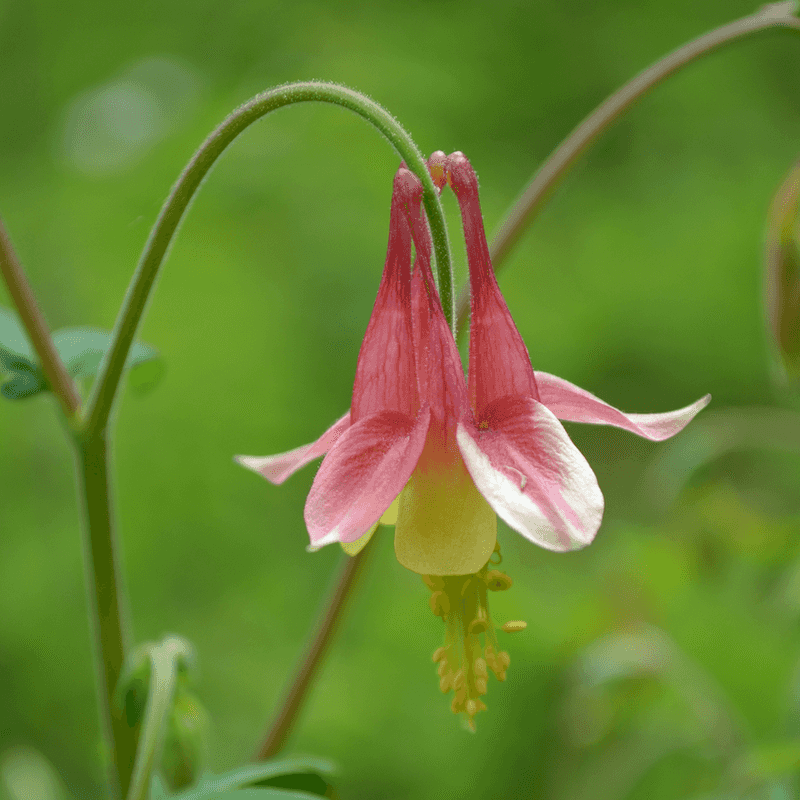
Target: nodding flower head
(441, 457)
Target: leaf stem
(103, 574)
(107, 384)
(32, 318)
(539, 191)
(284, 720)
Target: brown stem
(293, 701)
(34, 322)
(540, 188)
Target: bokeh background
(658, 663)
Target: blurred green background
(641, 282)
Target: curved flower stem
(539, 190)
(102, 399)
(36, 326)
(284, 720)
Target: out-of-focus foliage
(81, 350)
(640, 282)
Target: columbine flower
(455, 456)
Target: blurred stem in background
(307, 667)
(541, 187)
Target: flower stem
(540, 189)
(106, 600)
(107, 384)
(32, 318)
(284, 720)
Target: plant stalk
(307, 667)
(36, 327)
(102, 565)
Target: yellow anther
(433, 582)
(478, 626)
(440, 604)
(514, 626)
(498, 581)
(469, 653)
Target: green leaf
(256, 794)
(23, 383)
(82, 350)
(17, 362)
(12, 335)
(301, 774)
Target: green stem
(540, 189)
(32, 318)
(107, 384)
(286, 716)
(104, 575)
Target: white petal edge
(569, 402)
(506, 491)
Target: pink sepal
(572, 403)
(362, 474)
(386, 373)
(532, 475)
(276, 469)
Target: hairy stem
(107, 384)
(540, 189)
(295, 696)
(36, 326)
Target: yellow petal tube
(444, 525)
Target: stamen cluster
(471, 649)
